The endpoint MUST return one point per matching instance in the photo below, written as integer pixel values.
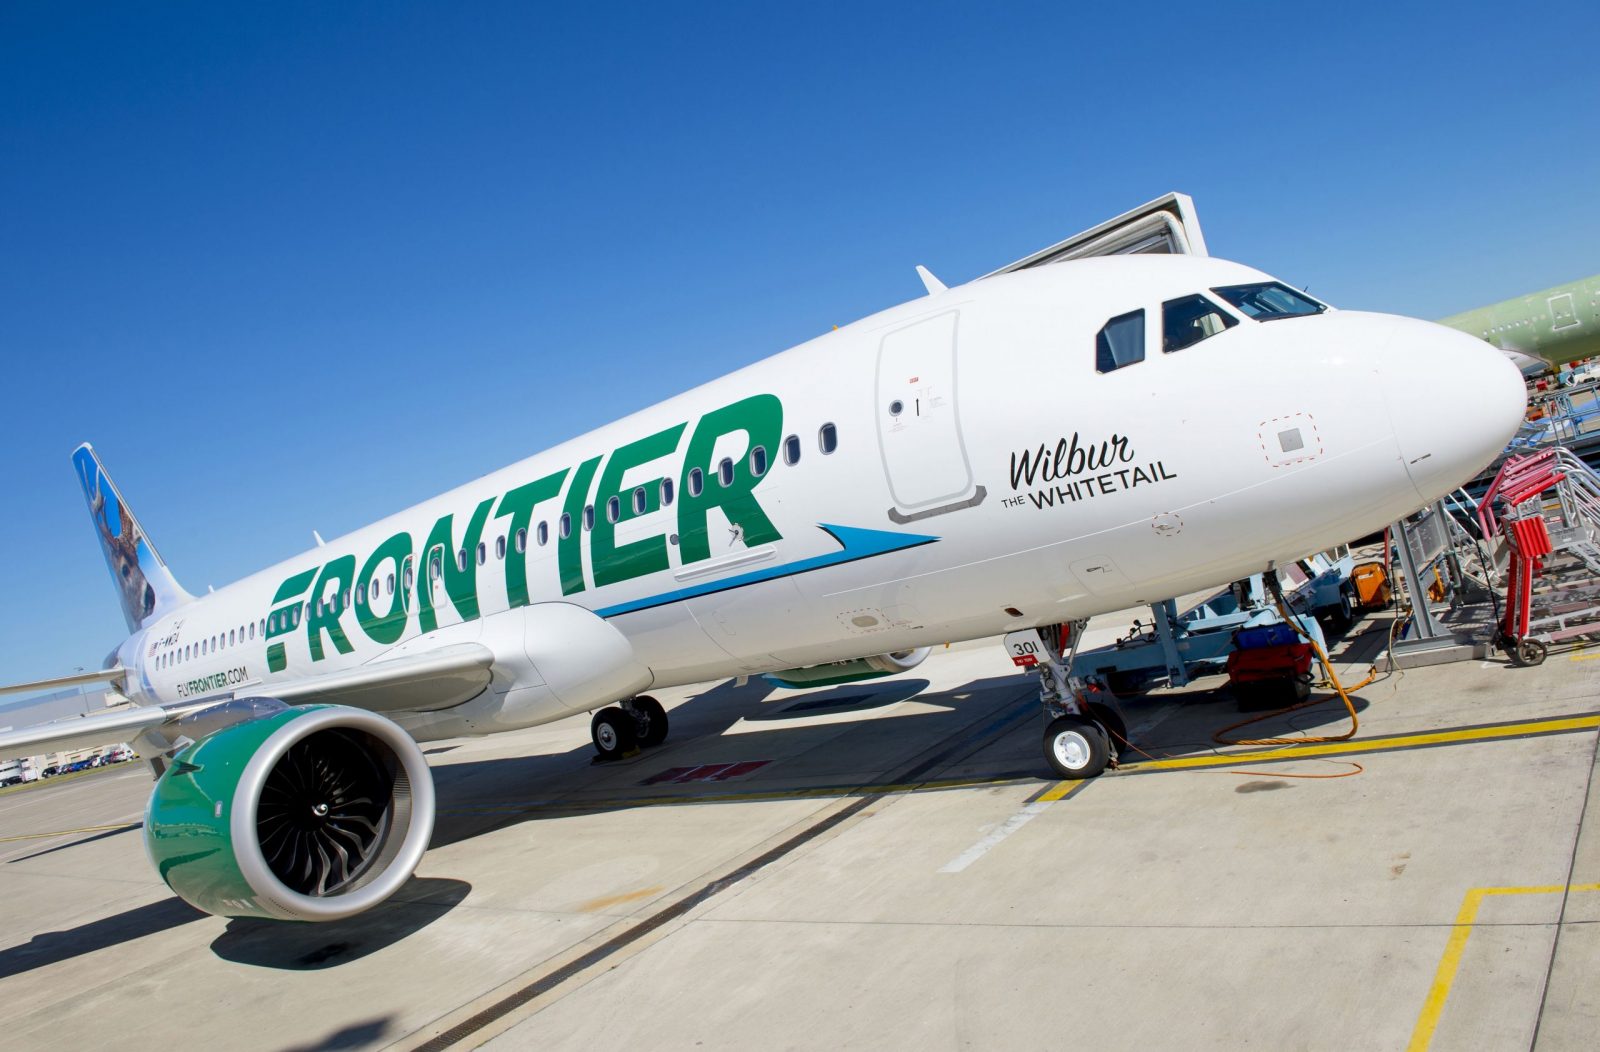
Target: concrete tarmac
(889, 864)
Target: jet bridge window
(1270, 300)
(1120, 342)
(1187, 321)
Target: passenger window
(697, 482)
(544, 533)
(499, 547)
(1187, 321)
(522, 540)
(666, 492)
(389, 584)
(461, 559)
(827, 438)
(725, 472)
(613, 510)
(410, 580)
(640, 499)
(483, 553)
(588, 517)
(566, 525)
(758, 461)
(791, 450)
(1120, 342)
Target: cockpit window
(1270, 300)
(1120, 343)
(1187, 321)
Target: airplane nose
(1454, 400)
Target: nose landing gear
(1081, 737)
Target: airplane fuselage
(954, 467)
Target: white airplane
(1026, 450)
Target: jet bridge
(1166, 226)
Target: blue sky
(298, 266)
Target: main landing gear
(623, 729)
(1082, 737)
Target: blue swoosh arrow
(855, 544)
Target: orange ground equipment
(1372, 586)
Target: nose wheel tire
(1075, 748)
(614, 733)
(650, 720)
(1111, 721)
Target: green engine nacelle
(312, 813)
(836, 672)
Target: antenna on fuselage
(929, 282)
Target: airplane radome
(1024, 451)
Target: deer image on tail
(122, 554)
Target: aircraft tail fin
(145, 586)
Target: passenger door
(919, 423)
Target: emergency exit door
(919, 423)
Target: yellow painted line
(1450, 963)
(1060, 791)
(1579, 655)
(1400, 741)
(68, 832)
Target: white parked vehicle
(1583, 375)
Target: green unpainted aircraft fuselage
(1558, 325)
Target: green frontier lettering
(613, 562)
(460, 582)
(327, 604)
(385, 628)
(760, 417)
(519, 504)
(284, 619)
(569, 553)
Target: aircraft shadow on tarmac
(312, 947)
(482, 796)
(516, 789)
(53, 947)
(356, 1035)
(262, 943)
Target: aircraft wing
(105, 675)
(88, 732)
(438, 679)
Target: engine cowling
(312, 813)
(836, 672)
